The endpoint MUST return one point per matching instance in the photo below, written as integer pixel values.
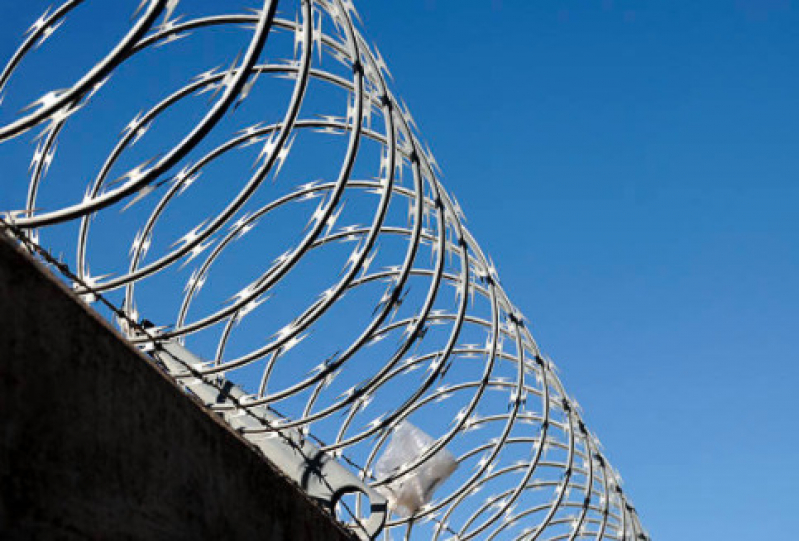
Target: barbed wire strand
(45, 256)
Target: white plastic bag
(415, 489)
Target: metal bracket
(318, 474)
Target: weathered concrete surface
(96, 443)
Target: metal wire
(332, 275)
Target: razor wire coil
(327, 271)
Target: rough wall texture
(95, 443)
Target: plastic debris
(411, 491)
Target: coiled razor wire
(248, 182)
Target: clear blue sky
(632, 168)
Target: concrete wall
(96, 443)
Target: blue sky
(632, 167)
